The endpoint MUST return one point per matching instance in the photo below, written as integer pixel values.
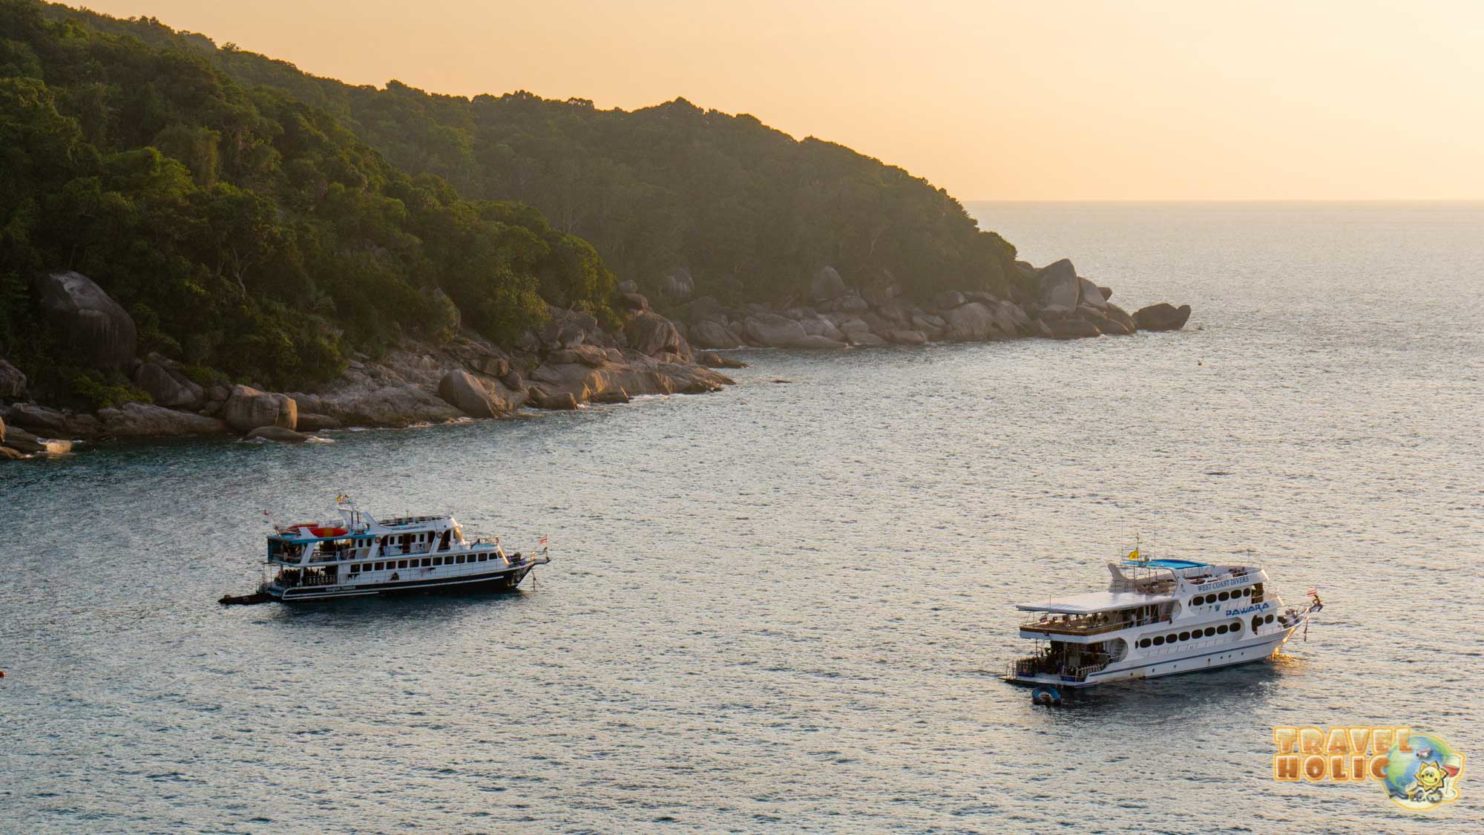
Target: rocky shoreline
(569, 362)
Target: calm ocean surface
(787, 605)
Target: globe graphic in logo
(1425, 776)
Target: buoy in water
(1046, 696)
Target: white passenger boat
(359, 555)
(1157, 618)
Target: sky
(992, 100)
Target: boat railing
(293, 579)
(1093, 624)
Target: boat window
(1184, 636)
(1170, 638)
(1197, 600)
(1256, 622)
(1210, 630)
(1236, 626)
(427, 561)
(401, 563)
(1269, 618)
(1159, 640)
(1221, 630)
(1223, 596)
(1143, 642)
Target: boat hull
(1140, 667)
(506, 580)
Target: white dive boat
(359, 555)
(1157, 618)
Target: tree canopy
(245, 230)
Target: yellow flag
(1134, 554)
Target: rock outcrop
(653, 335)
(471, 395)
(1060, 284)
(1162, 317)
(168, 387)
(142, 420)
(247, 408)
(98, 331)
(277, 434)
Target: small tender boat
(1157, 618)
(360, 555)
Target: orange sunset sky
(1048, 100)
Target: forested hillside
(750, 212)
(245, 230)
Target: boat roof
(1098, 601)
(1171, 564)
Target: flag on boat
(1133, 555)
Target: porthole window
(1158, 640)
(1256, 622)
(1170, 638)
(1143, 642)
(1184, 636)
(1210, 630)
(1234, 626)
(1223, 596)
(1197, 600)
(1221, 630)
(1269, 618)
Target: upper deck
(1139, 592)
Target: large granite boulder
(1162, 317)
(12, 381)
(1060, 285)
(53, 423)
(553, 401)
(1119, 315)
(147, 420)
(99, 333)
(277, 434)
(590, 355)
(168, 387)
(1092, 295)
(713, 334)
(1070, 328)
(471, 395)
(30, 444)
(826, 284)
(312, 422)
(653, 335)
(972, 322)
(247, 408)
(1105, 324)
(820, 326)
(774, 331)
